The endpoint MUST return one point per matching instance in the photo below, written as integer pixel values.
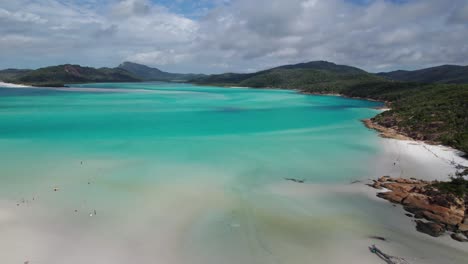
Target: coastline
(369, 123)
(386, 103)
(408, 182)
(13, 85)
(307, 221)
(384, 131)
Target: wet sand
(203, 222)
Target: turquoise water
(251, 136)
(200, 161)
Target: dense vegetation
(430, 112)
(66, 74)
(63, 74)
(308, 79)
(153, 74)
(440, 74)
(10, 74)
(457, 185)
(328, 75)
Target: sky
(214, 36)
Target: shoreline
(386, 103)
(297, 222)
(14, 85)
(369, 123)
(408, 182)
(384, 132)
(435, 212)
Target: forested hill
(439, 74)
(10, 74)
(68, 73)
(64, 74)
(432, 112)
(327, 75)
(154, 74)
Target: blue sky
(213, 36)
(195, 8)
(189, 8)
(368, 2)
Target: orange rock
(384, 179)
(393, 196)
(450, 219)
(445, 210)
(416, 200)
(463, 227)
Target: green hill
(431, 112)
(325, 66)
(9, 74)
(63, 74)
(321, 76)
(153, 74)
(439, 74)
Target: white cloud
(159, 57)
(13, 41)
(21, 17)
(235, 35)
(406, 35)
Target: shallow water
(175, 173)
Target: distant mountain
(153, 74)
(320, 75)
(63, 74)
(325, 66)
(68, 73)
(9, 74)
(439, 74)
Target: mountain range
(153, 74)
(439, 74)
(320, 75)
(319, 72)
(68, 73)
(315, 73)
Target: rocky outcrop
(442, 211)
(459, 237)
(385, 131)
(430, 228)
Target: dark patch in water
(295, 180)
(337, 107)
(229, 109)
(378, 238)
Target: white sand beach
(284, 222)
(408, 158)
(12, 85)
